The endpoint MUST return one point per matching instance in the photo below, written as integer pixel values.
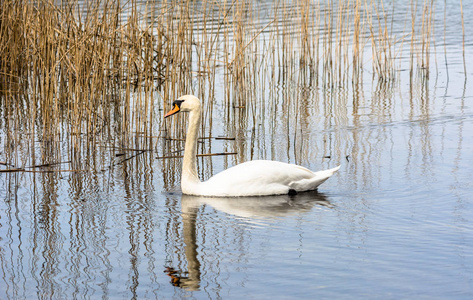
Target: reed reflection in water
(113, 233)
(404, 189)
(401, 200)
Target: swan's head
(184, 103)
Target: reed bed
(79, 80)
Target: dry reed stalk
(381, 44)
(357, 42)
(327, 45)
(316, 43)
(445, 36)
(463, 39)
(339, 41)
(304, 16)
(412, 44)
(426, 28)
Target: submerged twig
(198, 155)
(49, 164)
(39, 171)
(225, 138)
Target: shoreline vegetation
(87, 73)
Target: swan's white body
(252, 178)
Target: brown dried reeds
(83, 74)
(68, 64)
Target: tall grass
(95, 73)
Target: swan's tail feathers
(321, 176)
(312, 183)
(329, 172)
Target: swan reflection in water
(249, 208)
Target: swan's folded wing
(260, 177)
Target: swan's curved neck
(189, 164)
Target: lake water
(396, 221)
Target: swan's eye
(178, 103)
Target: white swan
(252, 178)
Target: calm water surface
(395, 222)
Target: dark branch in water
(49, 165)
(198, 155)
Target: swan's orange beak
(173, 111)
